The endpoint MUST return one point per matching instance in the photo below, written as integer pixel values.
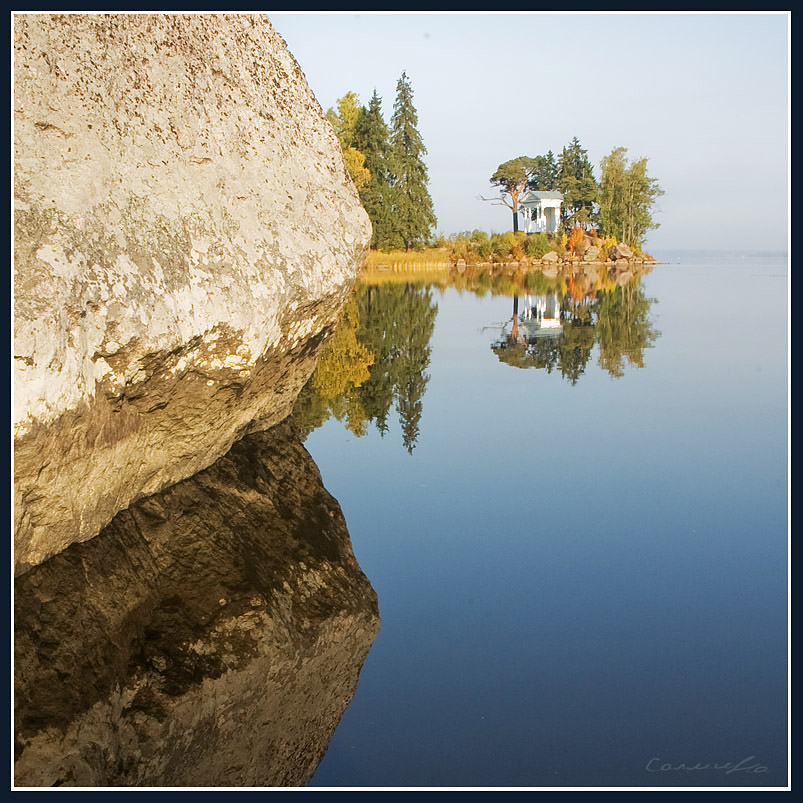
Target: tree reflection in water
(379, 357)
(384, 361)
(615, 318)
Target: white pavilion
(540, 211)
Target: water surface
(569, 492)
(578, 538)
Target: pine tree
(414, 215)
(512, 178)
(372, 139)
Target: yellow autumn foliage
(355, 161)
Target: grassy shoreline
(443, 259)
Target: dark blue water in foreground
(579, 583)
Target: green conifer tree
(414, 215)
(577, 183)
(372, 139)
(512, 178)
(545, 177)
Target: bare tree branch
(497, 201)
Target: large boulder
(185, 236)
(591, 254)
(582, 245)
(550, 258)
(619, 252)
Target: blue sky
(704, 96)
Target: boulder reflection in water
(211, 635)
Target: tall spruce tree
(414, 215)
(372, 139)
(545, 177)
(576, 182)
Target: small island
(566, 215)
(514, 251)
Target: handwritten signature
(657, 765)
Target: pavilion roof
(534, 196)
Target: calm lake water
(576, 525)
(559, 557)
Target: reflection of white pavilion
(541, 316)
(540, 211)
(546, 310)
